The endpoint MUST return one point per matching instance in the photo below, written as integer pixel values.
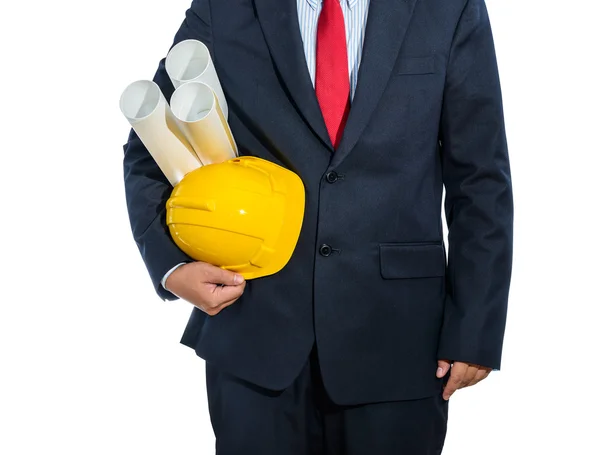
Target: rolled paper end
(187, 61)
(144, 106)
(190, 61)
(139, 100)
(197, 110)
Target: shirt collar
(313, 3)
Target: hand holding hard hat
(242, 214)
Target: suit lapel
(279, 22)
(387, 23)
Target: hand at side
(462, 375)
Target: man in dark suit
(357, 344)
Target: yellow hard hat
(243, 215)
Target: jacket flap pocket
(412, 260)
(415, 65)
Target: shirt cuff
(164, 279)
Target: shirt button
(325, 250)
(331, 177)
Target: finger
(226, 304)
(213, 311)
(443, 367)
(469, 376)
(222, 294)
(218, 275)
(482, 373)
(456, 376)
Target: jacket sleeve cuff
(160, 254)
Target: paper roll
(203, 123)
(190, 60)
(146, 109)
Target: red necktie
(332, 82)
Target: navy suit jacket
(388, 302)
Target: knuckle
(456, 380)
(239, 292)
(212, 311)
(209, 304)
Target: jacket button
(331, 177)
(325, 250)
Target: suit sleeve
(479, 203)
(146, 188)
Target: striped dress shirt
(355, 17)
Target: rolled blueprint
(201, 119)
(146, 109)
(190, 60)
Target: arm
(146, 188)
(163, 282)
(479, 206)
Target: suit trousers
(302, 419)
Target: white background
(90, 360)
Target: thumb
(218, 275)
(443, 367)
